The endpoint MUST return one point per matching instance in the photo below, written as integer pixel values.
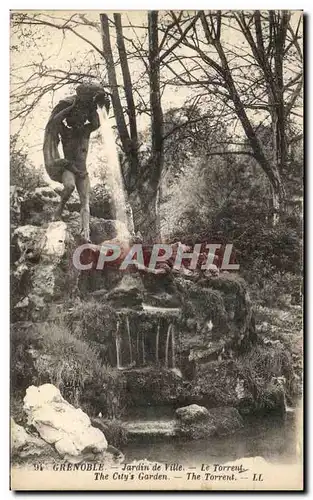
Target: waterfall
(157, 343)
(129, 341)
(143, 348)
(118, 345)
(167, 344)
(170, 335)
(113, 173)
(137, 349)
(173, 347)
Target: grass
(52, 354)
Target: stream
(271, 438)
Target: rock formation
(69, 429)
(172, 338)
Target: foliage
(92, 320)
(269, 374)
(227, 200)
(49, 353)
(114, 430)
(96, 323)
(22, 172)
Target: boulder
(128, 293)
(25, 445)
(226, 420)
(220, 383)
(26, 243)
(38, 206)
(69, 429)
(19, 437)
(274, 397)
(192, 413)
(196, 422)
(155, 386)
(100, 229)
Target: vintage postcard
(156, 189)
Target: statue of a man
(72, 121)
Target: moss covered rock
(151, 386)
(202, 424)
(192, 413)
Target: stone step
(152, 427)
(170, 311)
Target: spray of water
(113, 173)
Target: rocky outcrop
(25, 445)
(101, 230)
(151, 386)
(128, 293)
(59, 423)
(177, 337)
(37, 207)
(41, 270)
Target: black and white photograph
(156, 250)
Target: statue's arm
(94, 121)
(60, 112)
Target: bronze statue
(72, 121)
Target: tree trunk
(271, 168)
(273, 77)
(157, 125)
(128, 88)
(117, 106)
(145, 198)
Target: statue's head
(93, 94)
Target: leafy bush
(22, 172)
(49, 352)
(261, 367)
(276, 289)
(92, 320)
(96, 323)
(228, 200)
(278, 246)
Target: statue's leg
(83, 188)
(68, 180)
(55, 169)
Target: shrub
(261, 367)
(22, 367)
(114, 430)
(96, 323)
(274, 289)
(49, 352)
(22, 172)
(92, 320)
